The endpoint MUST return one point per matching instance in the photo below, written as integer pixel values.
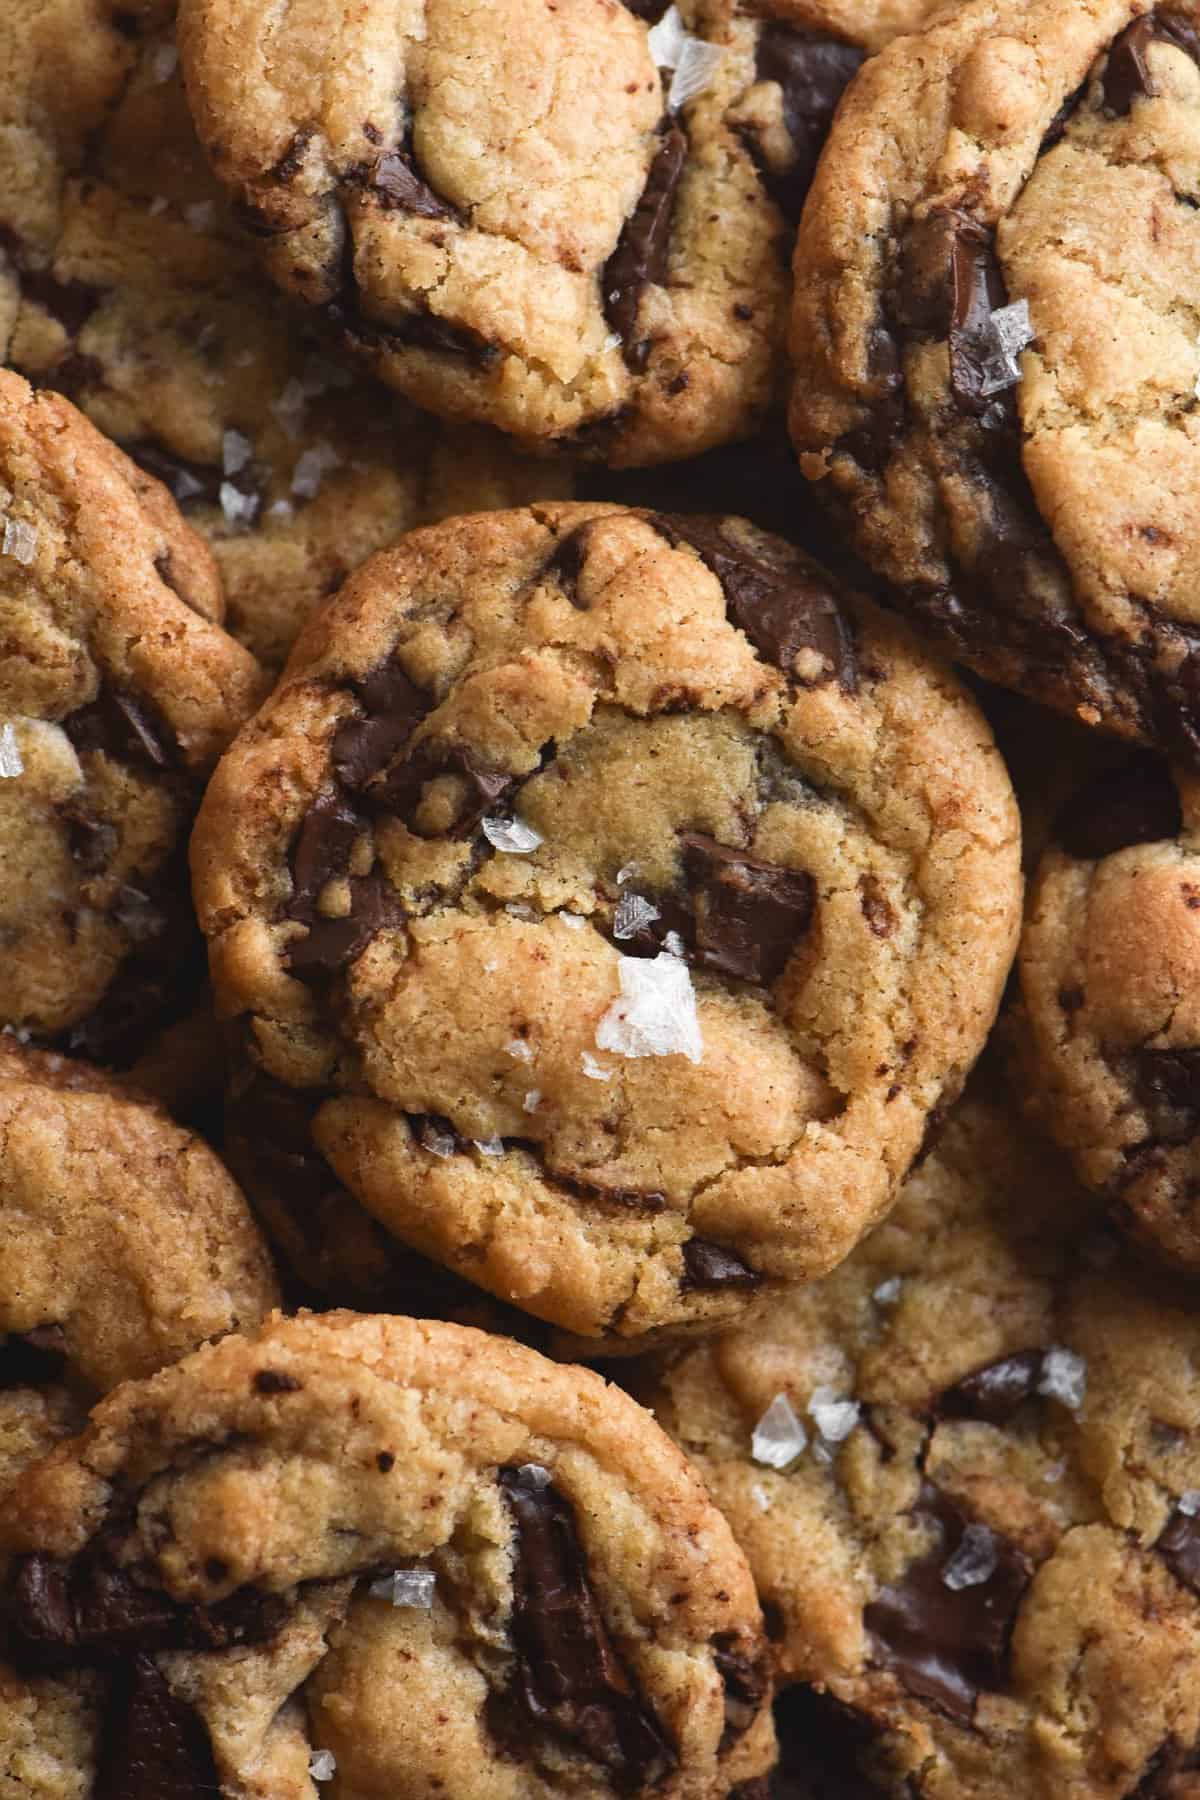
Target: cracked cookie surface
(618, 896)
(127, 284)
(516, 215)
(976, 1536)
(1108, 1043)
(403, 1558)
(118, 692)
(997, 348)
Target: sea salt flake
(666, 40)
(492, 1146)
(1188, 1502)
(532, 1101)
(11, 764)
(164, 62)
(633, 913)
(592, 1069)
(1054, 1474)
(888, 1292)
(239, 508)
(761, 1498)
(576, 921)
(612, 342)
(201, 216)
(656, 1014)
(438, 1143)
(290, 406)
(158, 205)
(406, 1587)
(20, 541)
(974, 1562)
(236, 451)
(280, 509)
(779, 1437)
(1011, 332)
(311, 469)
(627, 872)
(519, 1050)
(1064, 1377)
(513, 836)
(534, 1475)
(322, 1765)
(835, 1419)
(517, 909)
(693, 72)
(673, 944)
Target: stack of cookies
(600, 895)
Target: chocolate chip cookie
(118, 691)
(996, 357)
(966, 1472)
(126, 283)
(572, 222)
(401, 1558)
(619, 895)
(1109, 1035)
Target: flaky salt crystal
(693, 72)
(1188, 1502)
(779, 1437)
(236, 450)
(11, 764)
(438, 1143)
(20, 541)
(613, 341)
(517, 909)
(492, 1146)
(974, 1562)
(667, 39)
(673, 944)
(519, 1050)
(163, 63)
(311, 469)
(1011, 332)
(888, 1292)
(322, 1765)
(761, 1498)
(280, 509)
(513, 836)
(1064, 1377)
(626, 873)
(534, 1475)
(835, 1419)
(592, 1069)
(656, 1014)
(289, 408)
(576, 921)
(532, 1101)
(201, 216)
(239, 508)
(158, 205)
(632, 914)
(406, 1587)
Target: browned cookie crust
(515, 216)
(405, 1559)
(617, 895)
(118, 691)
(1029, 486)
(966, 1473)
(1109, 1039)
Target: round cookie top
(965, 1471)
(127, 284)
(118, 691)
(996, 359)
(562, 220)
(414, 1555)
(1109, 1037)
(623, 895)
(126, 1245)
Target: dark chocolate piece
(393, 706)
(399, 188)
(749, 913)
(568, 560)
(1137, 803)
(1159, 1781)
(994, 1392)
(154, 1746)
(978, 291)
(650, 10)
(822, 1747)
(1179, 1546)
(1168, 1084)
(1127, 76)
(568, 1678)
(947, 1645)
(274, 1381)
(122, 727)
(640, 259)
(322, 852)
(71, 303)
(708, 1265)
(191, 483)
(812, 71)
(400, 791)
(746, 1680)
(784, 606)
(332, 943)
(34, 1358)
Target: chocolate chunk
(321, 854)
(34, 1358)
(393, 706)
(399, 188)
(154, 1746)
(401, 791)
(946, 1645)
(568, 1678)
(190, 482)
(978, 292)
(822, 1747)
(1169, 1761)
(640, 259)
(332, 943)
(785, 605)
(708, 1265)
(71, 303)
(812, 71)
(327, 836)
(1179, 1546)
(650, 10)
(274, 1381)
(121, 727)
(1127, 76)
(994, 1392)
(1137, 803)
(568, 560)
(749, 913)
(746, 1680)
(159, 980)
(1168, 1083)
(876, 908)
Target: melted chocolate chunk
(566, 565)
(400, 792)
(332, 943)
(399, 188)
(1137, 803)
(568, 1678)
(122, 727)
(822, 1746)
(994, 1392)
(947, 1645)
(1127, 77)
(1179, 1547)
(784, 606)
(749, 914)
(393, 706)
(154, 1746)
(1159, 1782)
(746, 1680)
(708, 1265)
(1168, 1084)
(650, 10)
(640, 259)
(321, 853)
(274, 1381)
(71, 303)
(813, 72)
(34, 1358)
